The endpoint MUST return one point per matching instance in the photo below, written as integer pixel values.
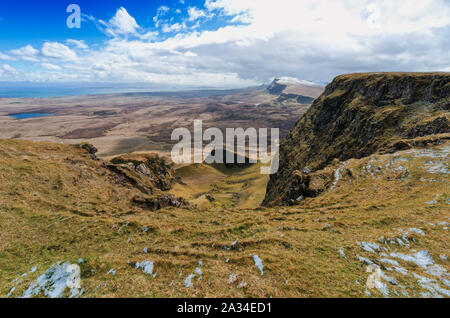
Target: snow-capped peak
(294, 81)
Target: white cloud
(148, 36)
(79, 44)
(309, 39)
(238, 9)
(58, 51)
(195, 13)
(122, 23)
(50, 66)
(338, 17)
(162, 10)
(190, 54)
(27, 53)
(6, 57)
(8, 68)
(176, 27)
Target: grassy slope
(228, 187)
(53, 210)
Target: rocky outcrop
(300, 186)
(151, 175)
(434, 126)
(147, 170)
(358, 115)
(160, 202)
(91, 150)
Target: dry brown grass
(52, 210)
(120, 124)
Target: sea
(57, 91)
(47, 90)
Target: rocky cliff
(303, 92)
(358, 115)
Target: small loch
(31, 115)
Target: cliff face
(358, 115)
(276, 88)
(300, 91)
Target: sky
(220, 43)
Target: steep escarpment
(358, 115)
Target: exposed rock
(358, 115)
(151, 175)
(292, 88)
(160, 202)
(146, 266)
(145, 171)
(435, 126)
(276, 88)
(54, 282)
(300, 186)
(419, 142)
(375, 279)
(258, 263)
(89, 148)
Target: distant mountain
(292, 88)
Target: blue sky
(32, 22)
(220, 43)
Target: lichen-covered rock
(150, 174)
(146, 171)
(358, 115)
